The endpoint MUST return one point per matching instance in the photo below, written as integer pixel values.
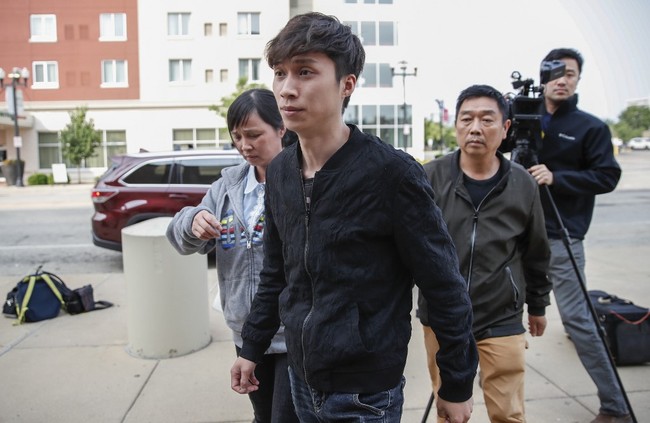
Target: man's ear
(349, 83)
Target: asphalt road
(51, 225)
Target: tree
(79, 139)
(632, 122)
(226, 101)
(432, 132)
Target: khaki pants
(502, 365)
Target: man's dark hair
(476, 91)
(318, 33)
(565, 53)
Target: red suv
(142, 186)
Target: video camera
(524, 137)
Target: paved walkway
(76, 368)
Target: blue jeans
(313, 406)
(579, 324)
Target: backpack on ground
(42, 295)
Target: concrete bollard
(167, 294)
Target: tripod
(566, 241)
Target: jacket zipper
(305, 252)
(514, 287)
(473, 237)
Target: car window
(152, 173)
(203, 171)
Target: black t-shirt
(478, 189)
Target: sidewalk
(76, 368)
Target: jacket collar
(348, 151)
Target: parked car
(142, 186)
(639, 143)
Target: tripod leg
(566, 240)
(428, 409)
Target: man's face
(480, 127)
(562, 88)
(308, 94)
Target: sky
(484, 41)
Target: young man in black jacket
(350, 224)
(577, 163)
(494, 215)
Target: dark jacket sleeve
(599, 174)
(426, 247)
(535, 257)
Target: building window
(49, 149)
(114, 73)
(375, 33)
(369, 33)
(180, 70)
(46, 75)
(385, 121)
(209, 76)
(178, 24)
(249, 69)
(42, 28)
(207, 29)
(113, 144)
(198, 138)
(112, 27)
(377, 75)
(386, 34)
(248, 23)
(223, 29)
(223, 75)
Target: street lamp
(403, 73)
(17, 76)
(441, 106)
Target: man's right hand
(242, 376)
(455, 412)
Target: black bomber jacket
(340, 277)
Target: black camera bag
(626, 325)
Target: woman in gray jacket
(230, 220)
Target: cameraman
(577, 163)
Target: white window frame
(46, 83)
(245, 23)
(108, 26)
(110, 80)
(47, 25)
(182, 25)
(250, 65)
(183, 79)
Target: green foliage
(632, 122)
(432, 132)
(79, 139)
(38, 179)
(226, 101)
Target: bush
(38, 179)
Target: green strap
(53, 287)
(22, 308)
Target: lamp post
(441, 106)
(17, 76)
(403, 65)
